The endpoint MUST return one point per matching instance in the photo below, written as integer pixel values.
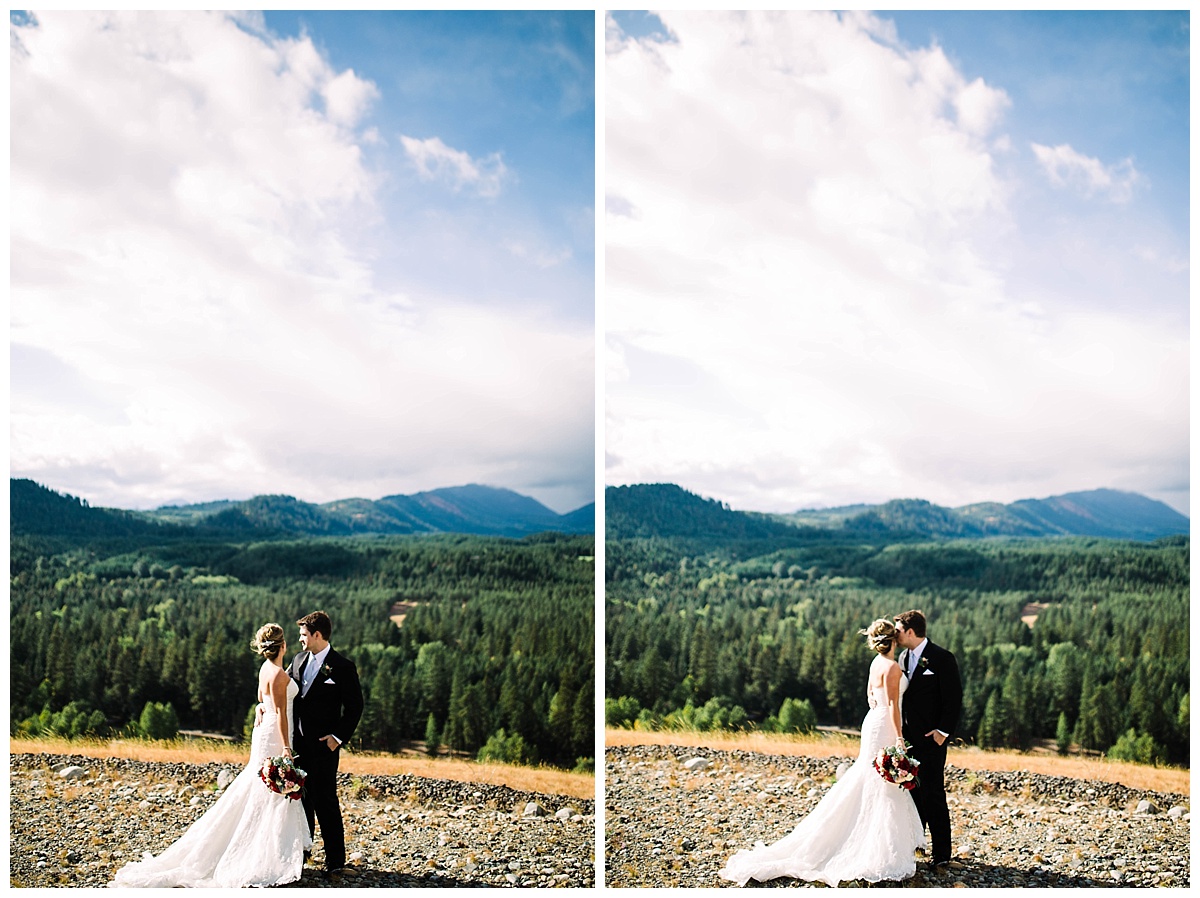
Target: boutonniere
(923, 664)
(328, 671)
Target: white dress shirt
(311, 671)
(914, 658)
(911, 662)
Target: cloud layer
(1067, 167)
(435, 161)
(810, 230)
(193, 315)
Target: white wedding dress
(250, 837)
(864, 828)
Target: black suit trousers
(930, 795)
(320, 797)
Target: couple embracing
(253, 836)
(867, 828)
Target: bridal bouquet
(283, 776)
(895, 766)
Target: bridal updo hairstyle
(268, 641)
(880, 635)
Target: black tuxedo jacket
(933, 700)
(334, 702)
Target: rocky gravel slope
(78, 829)
(667, 825)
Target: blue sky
(1114, 85)
(514, 84)
(863, 256)
(322, 254)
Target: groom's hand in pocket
(331, 742)
(938, 736)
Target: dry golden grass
(545, 780)
(769, 743)
(1133, 776)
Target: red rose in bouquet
(283, 777)
(895, 766)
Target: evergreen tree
(1062, 734)
(990, 730)
(433, 736)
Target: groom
(932, 704)
(326, 711)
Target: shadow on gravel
(970, 874)
(366, 878)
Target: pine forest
(491, 652)
(1079, 643)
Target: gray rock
(1176, 812)
(225, 777)
(843, 769)
(566, 813)
(533, 809)
(1146, 807)
(72, 773)
(695, 764)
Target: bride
(251, 836)
(865, 828)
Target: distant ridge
(667, 510)
(34, 509)
(473, 509)
(1103, 513)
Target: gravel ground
(401, 831)
(666, 825)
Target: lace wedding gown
(864, 828)
(250, 837)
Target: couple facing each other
(866, 828)
(253, 836)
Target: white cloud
(1165, 261)
(436, 161)
(347, 98)
(539, 256)
(806, 301)
(1088, 176)
(185, 200)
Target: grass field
(1133, 776)
(545, 780)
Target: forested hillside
(484, 510)
(498, 635)
(725, 633)
(1108, 513)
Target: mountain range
(474, 509)
(667, 510)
